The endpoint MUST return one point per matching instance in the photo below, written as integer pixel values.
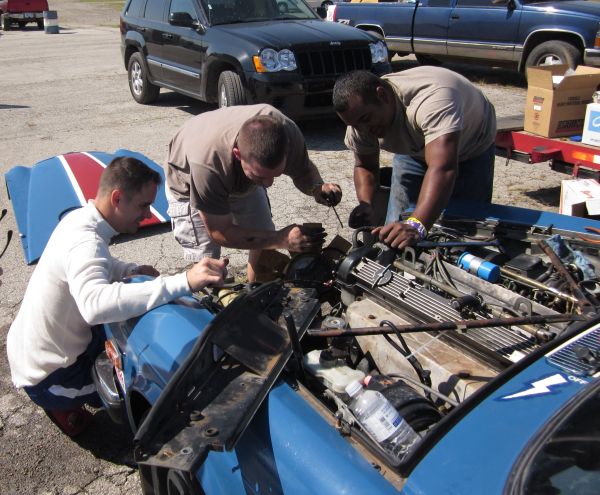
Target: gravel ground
(68, 92)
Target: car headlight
(379, 52)
(271, 60)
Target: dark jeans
(73, 386)
(475, 181)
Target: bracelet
(418, 225)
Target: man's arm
(441, 157)
(366, 182)
(223, 231)
(312, 184)
(101, 300)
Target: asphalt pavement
(69, 92)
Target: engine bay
(431, 325)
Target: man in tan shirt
(442, 129)
(219, 166)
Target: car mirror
(183, 19)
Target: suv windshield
(566, 459)
(232, 11)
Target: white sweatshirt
(77, 284)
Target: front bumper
(591, 56)
(295, 95)
(25, 16)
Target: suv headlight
(271, 60)
(379, 52)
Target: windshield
(234, 11)
(566, 460)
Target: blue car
(485, 338)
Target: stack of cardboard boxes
(559, 104)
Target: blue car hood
(42, 194)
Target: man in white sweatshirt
(77, 284)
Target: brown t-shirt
(201, 167)
(431, 102)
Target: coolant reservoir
(335, 375)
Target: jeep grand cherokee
(234, 52)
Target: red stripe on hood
(87, 172)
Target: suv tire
(230, 90)
(142, 90)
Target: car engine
(433, 324)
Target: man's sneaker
(72, 421)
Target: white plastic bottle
(381, 420)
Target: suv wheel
(142, 90)
(231, 90)
(5, 22)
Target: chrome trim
(591, 56)
(162, 65)
(480, 46)
(179, 70)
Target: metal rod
(581, 299)
(338, 217)
(537, 285)
(447, 325)
(433, 244)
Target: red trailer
(565, 155)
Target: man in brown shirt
(219, 166)
(442, 129)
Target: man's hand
(301, 239)
(328, 194)
(208, 271)
(361, 216)
(397, 235)
(147, 270)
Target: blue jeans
(475, 181)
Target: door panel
(185, 51)
(480, 29)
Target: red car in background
(22, 12)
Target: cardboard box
(591, 126)
(556, 110)
(580, 198)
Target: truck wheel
(142, 90)
(554, 52)
(5, 22)
(427, 60)
(40, 24)
(231, 90)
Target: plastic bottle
(381, 420)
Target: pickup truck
(509, 33)
(22, 12)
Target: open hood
(41, 195)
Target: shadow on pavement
(108, 440)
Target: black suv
(235, 52)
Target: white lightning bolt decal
(539, 387)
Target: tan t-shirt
(201, 167)
(431, 102)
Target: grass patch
(116, 5)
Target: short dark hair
(128, 174)
(263, 138)
(359, 82)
